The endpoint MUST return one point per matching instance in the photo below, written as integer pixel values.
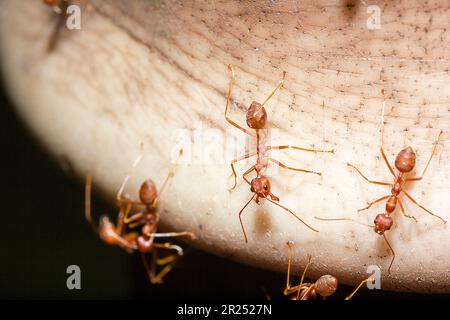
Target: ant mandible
(325, 286)
(147, 219)
(405, 162)
(260, 185)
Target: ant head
(256, 117)
(148, 192)
(261, 186)
(326, 285)
(107, 231)
(383, 223)
(405, 160)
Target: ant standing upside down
(147, 219)
(256, 120)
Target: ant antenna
(303, 278)
(357, 288)
(279, 86)
(240, 218)
(168, 176)
(435, 144)
(393, 253)
(133, 166)
(383, 93)
(230, 87)
(298, 218)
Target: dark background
(43, 231)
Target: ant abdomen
(256, 116)
(326, 285)
(405, 160)
(148, 192)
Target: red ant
(147, 219)
(405, 162)
(256, 119)
(325, 286)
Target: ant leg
(373, 202)
(119, 196)
(298, 148)
(168, 176)
(167, 260)
(357, 288)
(245, 156)
(169, 246)
(393, 253)
(156, 278)
(304, 296)
(287, 209)
(293, 169)
(382, 135)
(365, 178)
(230, 87)
(172, 234)
(386, 161)
(246, 173)
(135, 217)
(422, 207)
(303, 278)
(429, 160)
(289, 289)
(402, 209)
(122, 218)
(279, 86)
(87, 203)
(240, 218)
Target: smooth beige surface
(155, 71)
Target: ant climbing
(256, 119)
(325, 286)
(123, 233)
(405, 162)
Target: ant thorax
(262, 151)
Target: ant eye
(265, 187)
